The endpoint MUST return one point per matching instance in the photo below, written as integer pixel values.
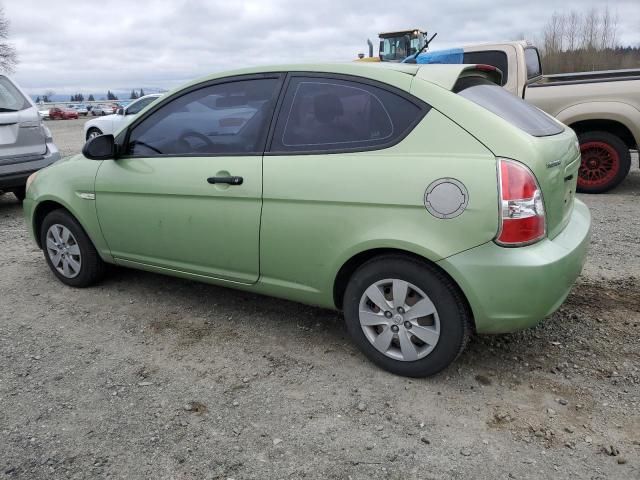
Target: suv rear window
(335, 115)
(507, 106)
(11, 100)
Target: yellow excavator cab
(396, 46)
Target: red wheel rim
(599, 166)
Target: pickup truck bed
(588, 77)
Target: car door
(330, 174)
(187, 194)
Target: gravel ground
(148, 376)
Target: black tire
(20, 193)
(455, 318)
(92, 130)
(92, 266)
(618, 172)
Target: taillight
(522, 219)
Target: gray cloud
(78, 45)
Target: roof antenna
(413, 58)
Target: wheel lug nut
(400, 310)
(388, 314)
(394, 328)
(407, 324)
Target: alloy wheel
(599, 166)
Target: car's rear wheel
(69, 251)
(93, 132)
(406, 316)
(606, 161)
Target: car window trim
(422, 106)
(123, 138)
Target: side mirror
(120, 111)
(102, 147)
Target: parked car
(62, 113)
(603, 108)
(111, 123)
(98, 110)
(44, 114)
(25, 142)
(81, 109)
(424, 201)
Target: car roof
(386, 72)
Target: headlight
(31, 178)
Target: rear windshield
(507, 106)
(11, 100)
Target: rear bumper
(511, 289)
(15, 175)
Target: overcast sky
(90, 46)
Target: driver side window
(227, 118)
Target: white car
(81, 109)
(44, 114)
(98, 110)
(110, 123)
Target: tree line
(575, 42)
(79, 97)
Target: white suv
(110, 123)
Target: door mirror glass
(102, 147)
(120, 111)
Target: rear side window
(11, 100)
(495, 58)
(333, 115)
(532, 60)
(509, 107)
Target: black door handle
(227, 180)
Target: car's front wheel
(406, 316)
(69, 251)
(93, 132)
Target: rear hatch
(555, 156)
(22, 137)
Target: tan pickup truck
(602, 107)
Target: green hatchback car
(424, 201)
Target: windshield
(394, 48)
(11, 100)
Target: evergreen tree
(73, 98)
(38, 99)
(141, 93)
(80, 97)
(45, 99)
(91, 99)
(133, 95)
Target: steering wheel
(193, 134)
